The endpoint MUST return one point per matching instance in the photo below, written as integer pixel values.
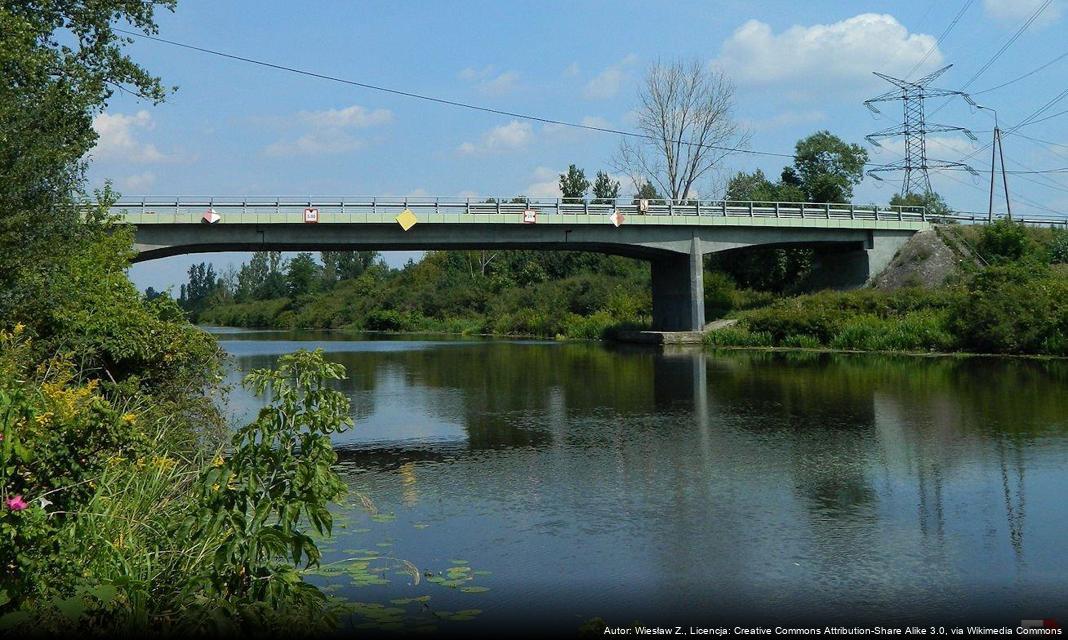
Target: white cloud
(140, 182)
(325, 132)
(809, 61)
(117, 138)
(1015, 12)
(316, 143)
(546, 184)
(608, 82)
(507, 137)
(487, 81)
(354, 116)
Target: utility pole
(996, 150)
(914, 129)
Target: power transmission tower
(914, 129)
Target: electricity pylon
(915, 129)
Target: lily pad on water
(474, 589)
(459, 562)
(404, 601)
(420, 525)
(383, 517)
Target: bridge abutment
(853, 267)
(679, 291)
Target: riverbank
(1000, 289)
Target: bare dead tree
(686, 113)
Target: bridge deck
(548, 211)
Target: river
(558, 482)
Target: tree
(685, 112)
(301, 275)
(605, 189)
(751, 186)
(61, 61)
(828, 167)
(933, 203)
(647, 192)
(573, 184)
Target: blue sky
(237, 129)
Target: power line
(1005, 47)
(451, 103)
(1024, 76)
(1002, 50)
(1049, 117)
(941, 37)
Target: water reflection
(622, 481)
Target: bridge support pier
(679, 291)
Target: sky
(232, 128)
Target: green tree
(605, 189)
(933, 204)
(573, 184)
(751, 186)
(647, 191)
(61, 61)
(828, 167)
(301, 275)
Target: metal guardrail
(351, 209)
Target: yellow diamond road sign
(407, 219)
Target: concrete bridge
(852, 243)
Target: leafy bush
(738, 336)
(126, 536)
(1004, 241)
(1013, 309)
(1058, 248)
(719, 294)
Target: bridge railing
(338, 209)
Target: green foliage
(1058, 247)
(605, 189)
(934, 205)
(828, 168)
(301, 275)
(1004, 241)
(647, 191)
(573, 184)
(504, 292)
(719, 294)
(1014, 309)
(278, 476)
(762, 269)
(52, 86)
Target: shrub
(1004, 241)
(1058, 248)
(719, 294)
(738, 336)
(1013, 309)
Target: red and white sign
(616, 217)
(210, 217)
(530, 216)
(311, 215)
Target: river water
(558, 482)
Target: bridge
(853, 243)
